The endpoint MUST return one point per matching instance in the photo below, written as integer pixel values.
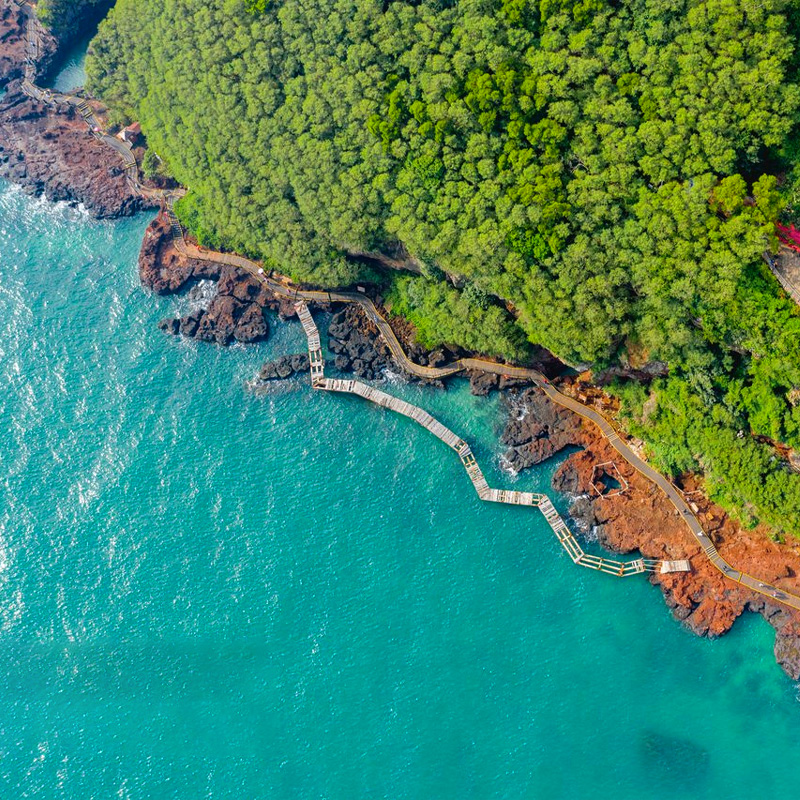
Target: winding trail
(621, 569)
(282, 286)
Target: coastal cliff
(49, 151)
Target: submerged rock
(284, 367)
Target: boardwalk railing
(485, 492)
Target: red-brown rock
(642, 519)
(50, 152)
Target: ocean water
(69, 72)
(206, 593)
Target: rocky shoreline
(13, 44)
(49, 152)
(641, 519)
(52, 154)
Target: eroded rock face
(50, 152)
(536, 429)
(787, 649)
(642, 520)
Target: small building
(131, 134)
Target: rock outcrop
(50, 152)
(225, 321)
(164, 270)
(236, 311)
(536, 429)
(285, 367)
(356, 344)
(13, 44)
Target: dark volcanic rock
(162, 268)
(787, 652)
(357, 344)
(51, 152)
(481, 383)
(219, 321)
(251, 325)
(244, 287)
(537, 429)
(236, 311)
(226, 320)
(188, 325)
(13, 41)
(170, 325)
(284, 367)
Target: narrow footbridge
(464, 452)
(281, 286)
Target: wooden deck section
(564, 535)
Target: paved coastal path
(281, 286)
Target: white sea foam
(198, 298)
(506, 466)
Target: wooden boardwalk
(80, 103)
(282, 286)
(485, 492)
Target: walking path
(485, 492)
(282, 287)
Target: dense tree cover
(442, 314)
(603, 166)
(684, 433)
(65, 17)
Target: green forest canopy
(65, 17)
(605, 167)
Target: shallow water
(69, 73)
(209, 593)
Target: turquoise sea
(70, 68)
(205, 593)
